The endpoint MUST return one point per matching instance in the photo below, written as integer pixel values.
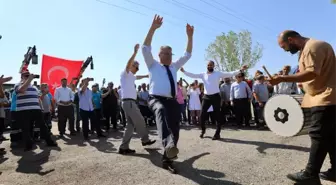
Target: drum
(285, 117)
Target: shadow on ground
(31, 163)
(262, 146)
(186, 169)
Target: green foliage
(232, 50)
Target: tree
(232, 50)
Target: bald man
(317, 65)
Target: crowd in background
(108, 112)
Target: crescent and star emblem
(61, 68)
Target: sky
(109, 29)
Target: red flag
(54, 69)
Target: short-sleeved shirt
(261, 90)
(96, 98)
(29, 100)
(128, 90)
(46, 103)
(318, 57)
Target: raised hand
(136, 48)
(244, 67)
(5, 79)
(157, 22)
(182, 69)
(190, 30)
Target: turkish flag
(54, 69)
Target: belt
(128, 99)
(161, 97)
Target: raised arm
(146, 48)
(232, 73)
(139, 77)
(191, 75)
(181, 61)
(2, 81)
(131, 60)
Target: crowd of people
(219, 98)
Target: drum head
(283, 115)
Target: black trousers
(110, 114)
(86, 116)
(98, 116)
(27, 119)
(47, 119)
(323, 137)
(215, 101)
(242, 109)
(2, 126)
(167, 114)
(66, 113)
(16, 133)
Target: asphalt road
(247, 157)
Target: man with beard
(128, 104)
(163, 90)
(211, 93)
(317, 65)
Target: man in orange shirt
(317, 66)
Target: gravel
(247, 157)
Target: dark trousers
(66, 113)
(146, 113)
(122, 116)
(78, 118)
(98, 116)
(258, 113)
(86, 116)
(167, 115)
(241, 109)
(183, 111)
(323, 136)
(110, 114)
(2, 126)
(215, 101)
(27, 119)
(16, 133)
(47, 119)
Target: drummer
(317, 64)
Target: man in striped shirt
(28, 109)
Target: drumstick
(269, 75)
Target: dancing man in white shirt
(211, 96)
(162, 90)
(129, 105)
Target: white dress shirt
(64, 94)
(240, 90)
(211, 80)
(159, 83)
(127, 88)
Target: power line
(173, 16)
(245, 19)
(117, 6)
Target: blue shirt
(261, 90)
(13, 103)
(85, 100)
(96, 98)
(159, 83)
(240, 90)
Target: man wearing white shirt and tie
(128, 103)
(211, 94)
(162, 90)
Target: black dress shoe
(202, 135)
(28, 148)
(304, 178)
(329, 175)
(150, 142)
(126, 151)
(73, 133)
(215, 137)
(169, 166)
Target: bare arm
(191, 75)
(138, 77)
(131, 60)
(22, 88)
(106, 94)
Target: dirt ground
(247, 157)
